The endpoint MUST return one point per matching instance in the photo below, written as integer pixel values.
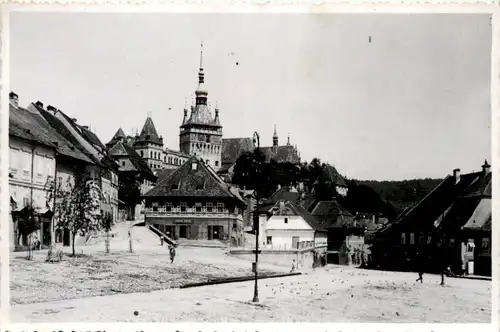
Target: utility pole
(256, 218)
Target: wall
(282, 239)
(303, 258)
(22, 184)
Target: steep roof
(202, 115)
(60, 128)
(118, 136)
(164, 174)
(192, 181)
(299, 211)
(121, 149)
(281, 154)
(450, 205)
(86, 134)
(331, 175)
(232, 148)
(333, 214)
(148, 133)
(33, 126)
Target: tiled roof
(224, 169)
(86, 134)
(201, 115)
(118, 136)
(300, 211)
(148, 133)
(232, 148)
(188, 182)
(21, 121)
(164, 174)
(177, 153)
(331, 175)
(332, 214)
(121, 149)
(481, 217)
(65, 132)
(281, 154)
(450, 205)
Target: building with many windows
(192, 202)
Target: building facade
(451, 225)
(38, 153)
(194, 203)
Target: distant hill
(401, 194)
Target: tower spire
(275, 137)
(201, 74)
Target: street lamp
(256, 141)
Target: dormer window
(194, 166)
(200, 186)
(175, 186)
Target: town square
(250, 168)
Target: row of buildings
(44, 144)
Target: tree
(129, 192)
(76, 205)
(28, 223)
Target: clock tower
(200, 133)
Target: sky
(379, 96)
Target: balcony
(163, 212)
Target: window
(123, 163)
(183, 207)
(198, 207)
(470, 246)
(150, 154)
(403, 238)
(59, 179)
(421, 239)
(486, 245)
(269, 240)
(220, 207)
(142, 153)
(429, 239)
(235, 225)
(209, 207)
(165, 159)
(216, 163)
(412, 238)
(174, 186)
(286, 220)
(168, 207)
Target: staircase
(160, 234)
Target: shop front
(193, 228)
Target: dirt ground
(97, 274)
(334, 294)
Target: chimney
(161, 139)
(456, 175)
(85, 127)
(486, 168)
(51, 108)
(14, 98)
(39, 104)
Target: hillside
(402, 194)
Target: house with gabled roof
(38, 153)
(290, 226)
(194, 203)
(452, 223)
(131, 168)
(104, 170)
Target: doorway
(66, 237)
(169, 231)
(215, 232)
(183, 232)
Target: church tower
(200, 133)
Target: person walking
(172, 254)
(420, 267)
(293, 267)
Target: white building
(290, 226)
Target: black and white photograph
(218, 167)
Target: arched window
(150, 154)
